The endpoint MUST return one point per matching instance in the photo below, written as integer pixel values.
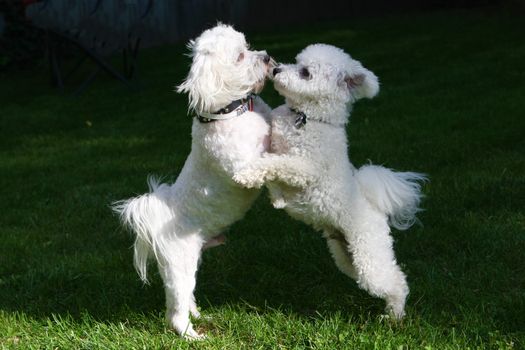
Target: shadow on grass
(66, 255)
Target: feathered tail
(397, 194)
(146, 216)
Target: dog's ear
(361, 84)
(202, 84)
(355, 81)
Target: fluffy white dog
(352, 207)
(174, 222)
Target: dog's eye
(305, 73)
(240, 57)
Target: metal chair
(95, 29)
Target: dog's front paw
(299, 181)
(279, 203)
(181, 324)
(245, 178)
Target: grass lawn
(452, 105)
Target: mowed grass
(451, 105)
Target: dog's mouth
(276, 69)
(269, 65)
(280, 88)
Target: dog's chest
(285, 135)
(236, 140)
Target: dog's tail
(397, 194)
(147, 216)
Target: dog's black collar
(234, 109)
(301, 118)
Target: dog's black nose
(267, 59)
(276, 71)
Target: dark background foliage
(22, 43)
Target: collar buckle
(300, 120)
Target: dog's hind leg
(178, 271)
(338, 247)
(369, 241)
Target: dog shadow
(285, 266)
(270, 262)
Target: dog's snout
(276, 71)
(267, 59)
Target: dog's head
(325, 74)
(223, 69)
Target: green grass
(451, 105)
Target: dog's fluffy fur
(173, 222)
(352, 207)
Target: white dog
(352, 207)
(174, 222)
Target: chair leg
(56, 76)
(75, 67)
(130, 64)
(135, 53)
(105, 66)
(86, 82)
(125, 61)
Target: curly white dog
(352, 207)
(174, 222)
